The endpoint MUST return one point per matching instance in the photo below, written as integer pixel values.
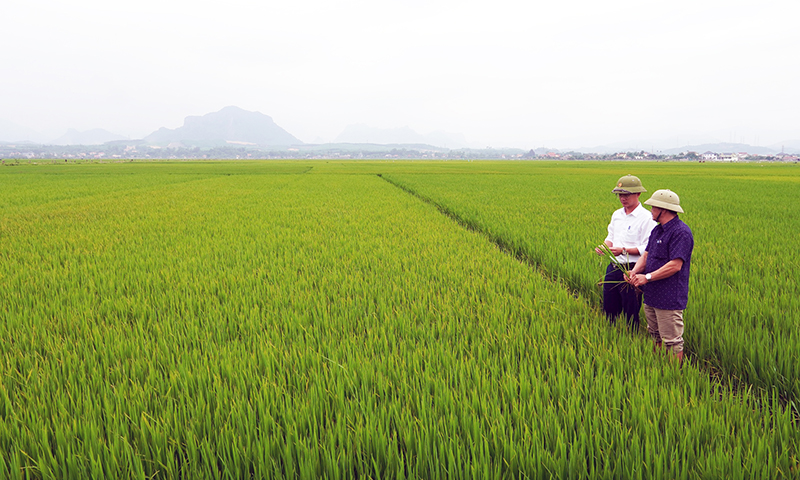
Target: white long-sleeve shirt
(630, 230)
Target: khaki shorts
(665, 326)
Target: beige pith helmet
(629, 184)
(666, 199)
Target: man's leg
(631, 304)
(652, 325)
(612, 301)
(670, 327)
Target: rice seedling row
(743, 305)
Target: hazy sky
(503, 73)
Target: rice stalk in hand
(619, 266)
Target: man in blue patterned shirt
(662, 273)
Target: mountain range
(363, 134)
(11, 132)
(97, 136)
(719, 147)
(233, 126)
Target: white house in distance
(723, 157)
(728, 157)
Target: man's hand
(638, 280)
(615, 250)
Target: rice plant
(743, 308)
(292, 320)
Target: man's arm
(639, 267)
(669, 269)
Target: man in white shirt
(627, 238)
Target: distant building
(785, 157)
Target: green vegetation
(744, 298)
(304, 320)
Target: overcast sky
(502, 73)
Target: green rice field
(329, 319)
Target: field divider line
(504, 246)
(726, 379)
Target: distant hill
(392, 136)
(231, 125)
(723, 148)
(348, 148)
(787, 146)
(97, 136)
(10, 132)
(660, 148)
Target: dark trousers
(620, 298)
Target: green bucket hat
(629, 184)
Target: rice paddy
(314, 320)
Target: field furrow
(744, 299)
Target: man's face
(628, 200)
(655, 212)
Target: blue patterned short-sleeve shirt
(668, 242)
